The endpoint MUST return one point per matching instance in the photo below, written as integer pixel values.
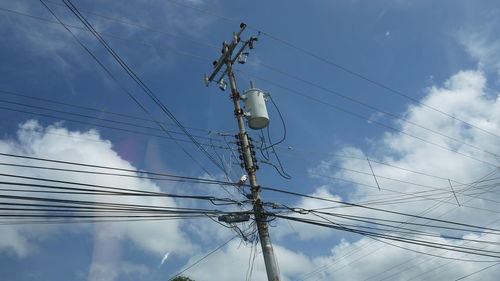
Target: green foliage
(182, 278)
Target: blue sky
(445, 56)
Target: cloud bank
(57, 142)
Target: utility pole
(245, 145)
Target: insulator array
(241, 149)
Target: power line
(378, 84)
(176, 210)
(197, 181)
(352, 113)
(202, 258)
(418, 194)
(376, 209)
(433, 269)
(127, 92)
(181, 133)
(281, 171)
(385, 222)
(429, 209)
(166, 48)
(308, 151)
(220, 147)
(102, 189)
(161, 137)
(334, 92)
(320, 87)
(70, 206)
(168, 137)
(89, 219)
(372, 160)
(88, 117)
(54, 208)
(357, 249)
(336, 65)
(111, 168)
(366, 105)
(136, 173)
(141, 126)
(412, 241)
(138, 81)
(140, 26)
(490, 174)
(17, 94)
(478, 271)
(142, 85)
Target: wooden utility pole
(245, 145)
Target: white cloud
(369, 260)
(465, 96)
(51, 42)
(56, 142)
(304, 231)
(111, 271)
(133, 269)
(481, 42)
(232, 263)
(14, 241)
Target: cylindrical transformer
(255, 107)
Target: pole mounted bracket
(239, 112)
(234, 218)
(235, 95)
(227, 52)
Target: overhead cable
(334, 64)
